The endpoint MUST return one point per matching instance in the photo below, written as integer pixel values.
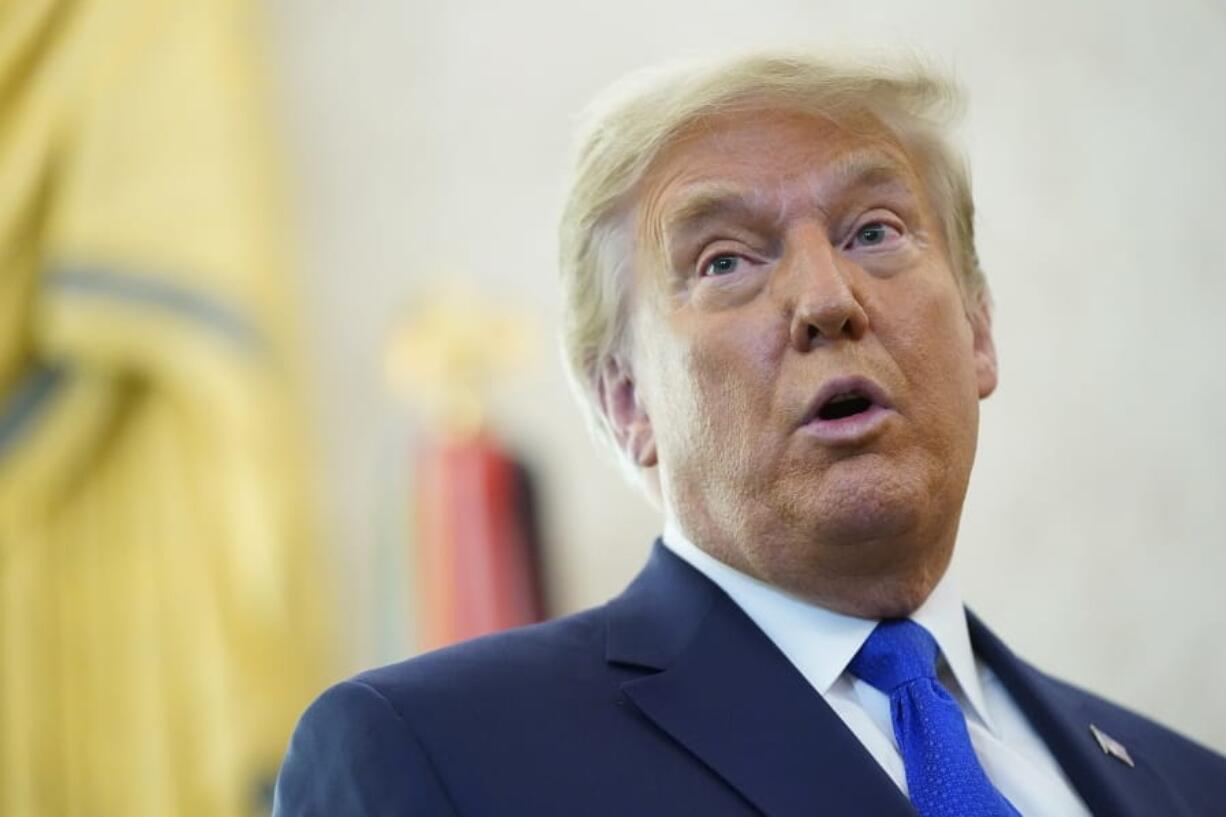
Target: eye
(873, 234)
(720, 265)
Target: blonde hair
(625, 128)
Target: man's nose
(826, 307)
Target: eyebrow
(710, 201)
(868, 168)
(860, 169)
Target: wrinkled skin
(777, 250)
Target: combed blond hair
(625, 128)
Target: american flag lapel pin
(1111, 746)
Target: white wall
(429, 141)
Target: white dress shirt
(821, 643)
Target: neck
(884, 578)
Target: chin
(875, 545)
(896, 597)
(864, 502)
(874, 594)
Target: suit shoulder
(1195, 774)
(351, 750)
(499, 664)
(1135, 724)
(1184, 764)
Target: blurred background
(280, 397)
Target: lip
(855, 428)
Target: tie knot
(898, 652)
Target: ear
(625, 413)
(980, 315)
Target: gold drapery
(159, 630)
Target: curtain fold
(160, 611)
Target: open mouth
(848, 411)
(847, 404)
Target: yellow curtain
(159, 626)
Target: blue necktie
(943, 775)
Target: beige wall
(429, 141)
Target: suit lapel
(726, 693)
(723, 691)
(1062, 716)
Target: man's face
(803, 368)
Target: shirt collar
(819, 642)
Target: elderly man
(776, 315)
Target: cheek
(936, 330)
(933, 347)
(719, 384)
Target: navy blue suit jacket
(668, 700)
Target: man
(775, 313)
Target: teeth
(839, 398)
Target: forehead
(768, 159)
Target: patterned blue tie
(943, 775)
